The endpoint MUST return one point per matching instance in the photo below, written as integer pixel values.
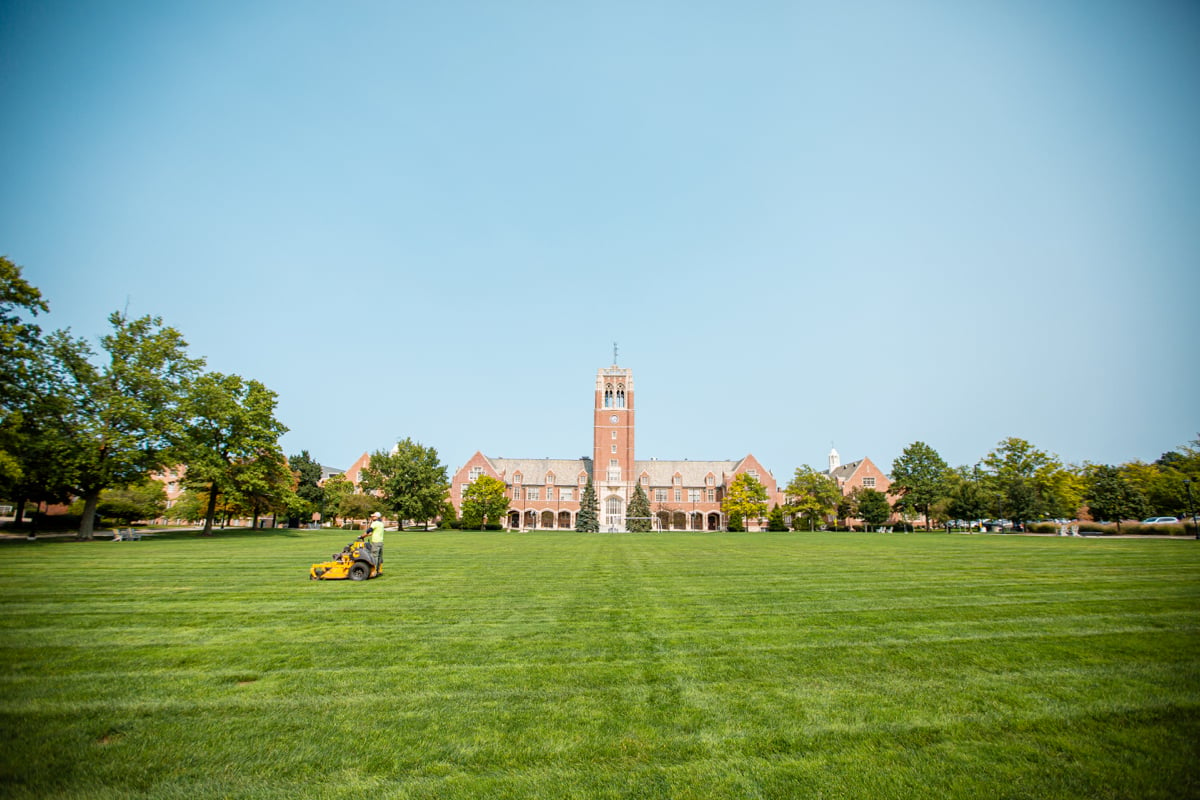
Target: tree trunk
(212, 510)
(87, 525)
(20, 515)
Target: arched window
(614, 507)
(608, 395)
(620, 395)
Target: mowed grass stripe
(602, 666)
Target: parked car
(1160, 521)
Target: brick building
(545, 493)
(861, 474)
(857, 474)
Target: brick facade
(545, 493)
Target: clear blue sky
(857, 223)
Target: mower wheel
(360, 571)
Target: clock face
(613, 418)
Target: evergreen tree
(637, 513)
(588, 520)
(775, 521)
(308, 487)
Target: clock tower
(612, 444)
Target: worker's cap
(376, 515)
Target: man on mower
(374, 533)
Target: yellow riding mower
(355, 562)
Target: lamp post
(1187, 482)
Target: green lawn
(628, 665)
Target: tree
(871, 506)
(484, 500)
(967, 498)
(919, 478)
(811, 495)
(411, 481)
(336, 489)
(1027, 483)
(308, 486)
(121, 421)
(189, 506)
(588, 520)
(637, 513)
(263, 484)
(746, 498)
(230, 427)
(775, 520)
(146, 499)
(359, 506)
(31, 443)
(20, 353)
(1111, 495)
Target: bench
(126, 535)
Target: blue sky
(861, 224)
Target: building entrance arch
(614, 513)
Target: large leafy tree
(359, 506)
(20, 349)
(871, 506)
(484, 500)
(230, 429)
(637, 513)
(1026, 483)
(119, 420)
(144, 500)
(263, 484)
(30, 446)
(967, 499)
(920, 478)
(335, 491)
(1110, 495)
(411, 481)
(746, 498)
(588, 519)
(811, 496)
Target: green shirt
(376, 531)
